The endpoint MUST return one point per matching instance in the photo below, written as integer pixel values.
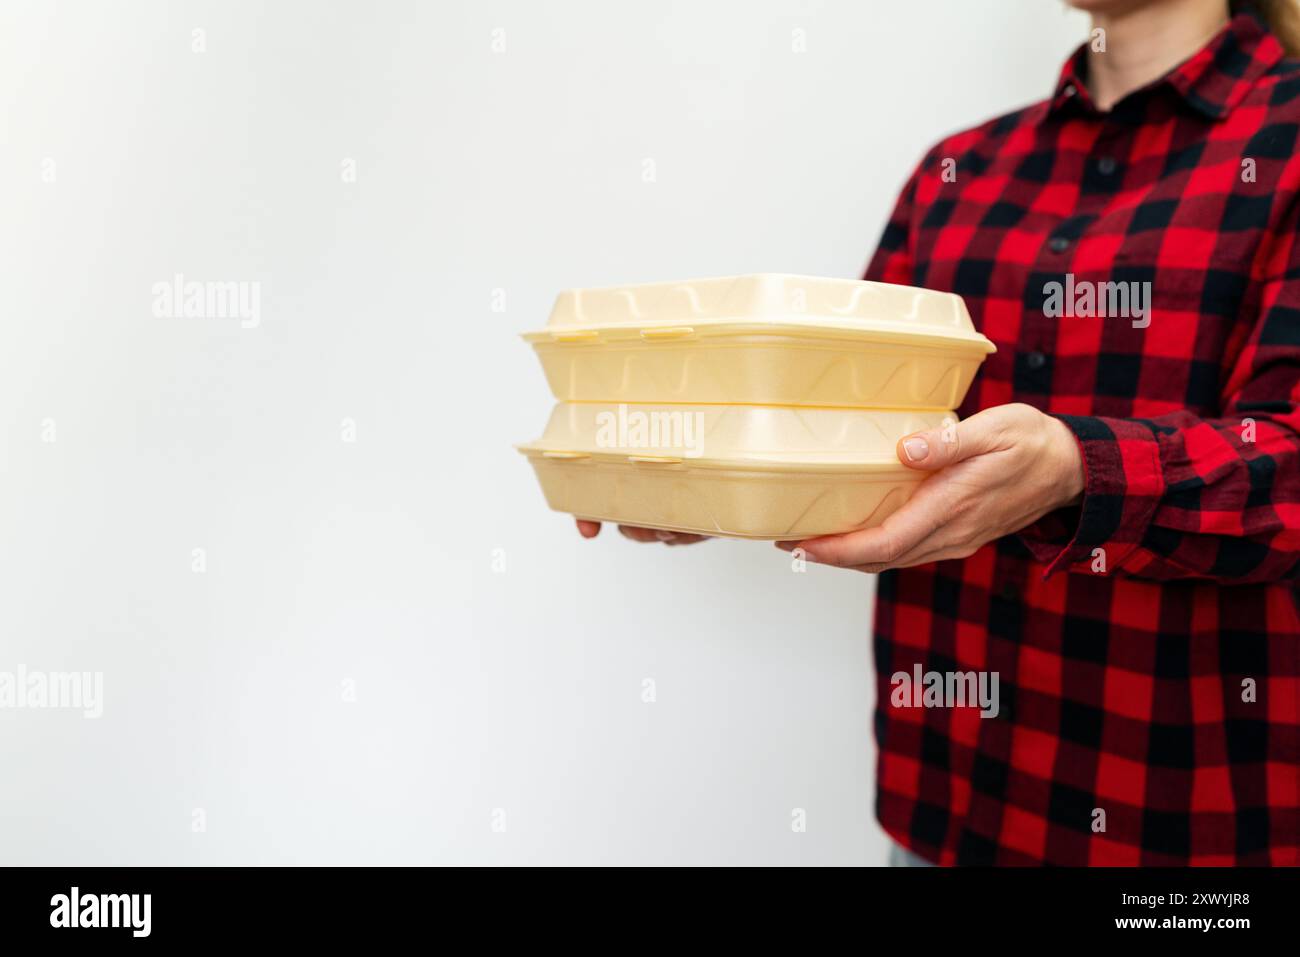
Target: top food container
(765, 339)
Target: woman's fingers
(955, 441)
(886, 544)
(919, 556)
(685, 538)
(659, 535)
(589, 529)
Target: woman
(1114, 529)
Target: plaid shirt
(1128, 632)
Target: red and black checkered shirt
(1147, 642)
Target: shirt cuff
(1123, 482)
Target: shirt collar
(1212, 82)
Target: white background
(372, 562)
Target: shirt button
(1035, 360)
(1010, 592)
(1069, 89)
(1107, 165)
(1058, 244)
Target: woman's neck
(1145, 42)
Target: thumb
(950, 443)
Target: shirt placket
(1034, 363)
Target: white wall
(372, 561)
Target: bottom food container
(740, 471)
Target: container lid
(765, 302)
(732, 436)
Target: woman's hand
(588, 529)
(998, 471)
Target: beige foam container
(766, 339)
(738, 471)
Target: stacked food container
(763, 406)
